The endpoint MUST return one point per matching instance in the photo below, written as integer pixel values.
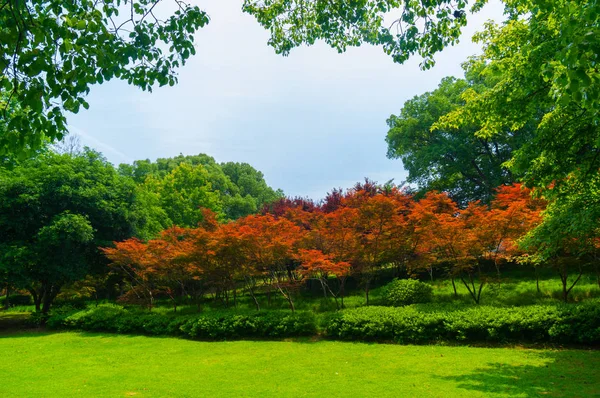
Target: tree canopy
(402, 28)
(179, 187)
(451, 160)
(55, 210)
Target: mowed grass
(98, 365)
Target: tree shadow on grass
(574, 373)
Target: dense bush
(561, 324)
(217, 326)
(401, 292)
(385, 324)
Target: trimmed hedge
(561, 324)
(573, 323)
(209, 326)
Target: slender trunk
(471, 289)
(367, 291)
(337, 305)
(567, 291)
(323, 287)
(454, 287)
(563, 279)
(430, 270)
(287, 296)
(537, 280)
(255, 300)
(250, 283)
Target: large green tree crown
(452, 160)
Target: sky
(312, 121)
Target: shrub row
(412, 324)
(558, 324)
(213, 326)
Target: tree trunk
(475, 293)
(563, 279)
(250, 283)
(454, 287)
(50, 294)
(255, 300)
(323, 287)
(537, 280)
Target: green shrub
(404, 325)
(579, 324)
(217, 326)
(275, 324)
(425, 323)
(401, 292)
(561, 324)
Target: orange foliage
(355, 232)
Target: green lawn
(98, 365)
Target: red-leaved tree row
(353, 233)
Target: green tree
(451, 160)
(182, 184)
(543, 64)
(52, 52)
(185, 191)
(254, 193)
(57, 257)
(55, 211)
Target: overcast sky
(310, 122)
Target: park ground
(44, 364)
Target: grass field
(37, 364)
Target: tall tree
(450, 160)
(78, 199)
